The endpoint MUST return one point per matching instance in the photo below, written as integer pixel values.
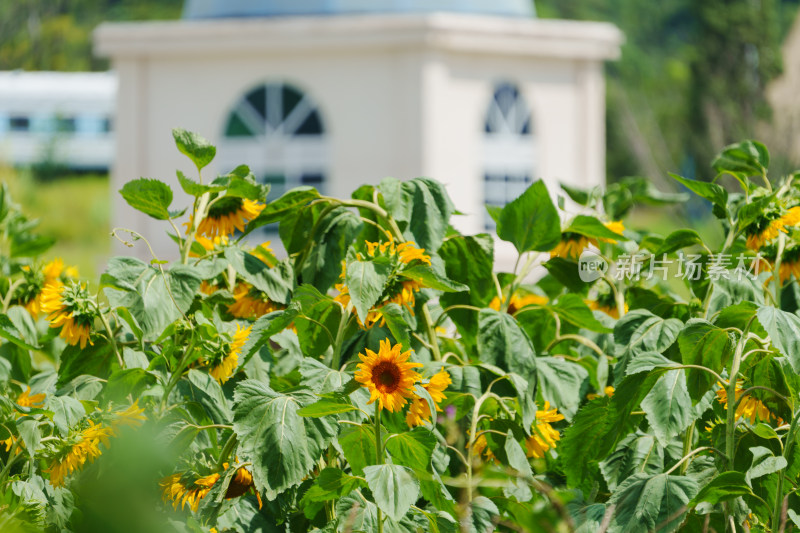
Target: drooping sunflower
(177, 489)
(226, 366)
(264, 252)
(606, 306)
(481, 447)
(209, 244)
(749, 408)
(388, 375)
(419, 410)
(790, 263)
(250, 303)
(227, 215)
(769, 226)
(35, 279)
(573, 244)
(544, 436)
(68, 307)
(82, 448)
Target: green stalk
(434, 341)
(787, 450)
(226, 450)
(687, 446)
(378, 456)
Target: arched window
(509, 146)
(278, 132)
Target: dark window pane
(19, 123)
(258, 99)
(236, 127)
(310, 126)
(290, 97)
(65, 125)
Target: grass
(73, 209)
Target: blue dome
(204, 9)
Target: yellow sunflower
(517, 302)
(226, 368)
(607, 306)
(388, 375)
(749, 408)
(226, 216)
(790, 268)
(35, 281)
(419, 411)
(764, 230)
(68, 308)
(543, 436)
(608, 391)
(25, 399)
(75, 456)
(209, 243)
(180, 491)
(250, 303)
(131, 416)
(481, 447)
(264, 252)
(573, 244)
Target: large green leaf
(502, 342)
(573, 309)
(195, 147)
(358, 445)
(365, 282)
(480, 516)
(748, 157)
(710, 191)
(642, 331)
(335, 232)
(704, 344)
(431, 208)
(726, 486)
(276, 210)
(151, 197)
(634, 454)
(394, 488)
(276, 282)
(319, 320)
(682, 238)
(154, 299)
(413, 448)
(593, 228)
(331, 484)
(560, 383)
(764, 463)
(668, 406)
(531, 222)
(645, 502)
(784, 331)
(282, 446)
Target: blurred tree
(691, 77)
(57, 34)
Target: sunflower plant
(374, 370)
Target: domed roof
(204, 9)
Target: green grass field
(74, 210)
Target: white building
(476, 94)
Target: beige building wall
(400, 96)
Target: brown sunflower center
(386, 377)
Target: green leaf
(325, 407)
(67, 412)
(645, 502)
(480, 516)
(592, 228)
(126, 382)
(196, 148)
(501, 340)
(335, 232)
(193, 188)
(764, 463)
(567, 273)
(748, 157)
(280, 207)
(413, 448)
(93, 360)
(642, 331)
(516, 456)
(276, 282)
(531, 222)
(682, 238)
(282, 446)
(726, 486)
(704, 344)
(394, 488)
(365, 281)
(431, 208)
(205, 390)
(320, 378)
(28, 429)
(560, 383)
(634, 454)
(432, 279)
(710, 191)
(668, 406)
(358, 445)
(151, 197)
(330, 484)
(394, 316)
(10, 332)
(29, 245)
(573, 309)
(317, 324)
(784, 331)
(154, 299)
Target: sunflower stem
(226, 450)
(378, 456)
(111, 338)
(434, 341)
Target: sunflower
(86, 448)
(481, 447)
(25, 399)
(749, 408)
(517, 302)
(388, 375)
(36, 280)
(264, 252)
(407, 253)
(223, 370)
(608, 391)
(764, 230)
(131, 416)
(227, 215)
(419, 411)
(605, 305)
(544, 437)
(179, 490)
(573, 244)
(209, 243)
(68, 307)
(250, 303)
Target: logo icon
(591, 266)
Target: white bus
(62, 118)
